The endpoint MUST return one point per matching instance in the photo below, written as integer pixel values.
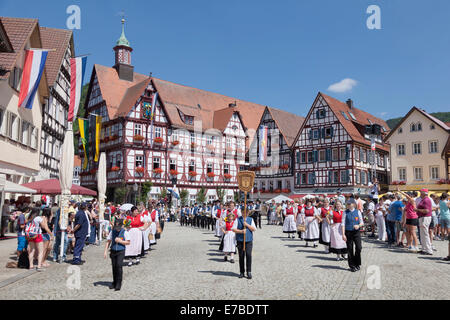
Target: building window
(343, 153)
(335, 177)
(156, 163)
(297, 178)
(25, 133)
(413, 127)
(434, 173)
(158, 132)
(344, 115)
(303, 178)
(321, 113)
(419, 127)
(400, 149)
(343, 176)
(402, 174)
(356, 154)
(137, 129)
(209, 140)
(417, 148)
(315, 134)
(433, 146)
(418, 173)
(335, 155)
(311, 177)
(209, 168)
(139, 161)
(400, 130)
(192, 166)
(310, 157)
(303, 157)
(432, 126)
(34, 137)
(173, 164)
(358, 176)
(322, 155)
(363, 177)
(226, 169)
(14, 78)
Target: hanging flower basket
(159, 140)
(227, 176)
(157, 171)
(140, 170)
(138, 137)
(115, 168)
(173, 172)
(175, 143)
(192, 173)
(211, 175)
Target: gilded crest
(246, 179)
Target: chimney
(232, 105)
(350, 103)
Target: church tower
(123, 57)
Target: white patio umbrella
(126, 207)
(65, 179)
(279, 199)
(101, 185)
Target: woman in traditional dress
(229, 239)
(153, 224)
(311, 216)
(337, 244)
(299, 218)
(218, 217)
(380, 210)
(289, 226)
(325, 226)
(134, 249)
(146, 228)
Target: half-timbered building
(333, 150)
(54, 113)
(276, 174)
(196, 139)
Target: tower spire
(123, 56)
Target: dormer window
(189, 120)
(345, 115)
(321, 113)
(352, 115)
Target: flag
(98, 129)
(84, 134)
(152, 117)
(263, 144)
(32, 73)
(77, 70)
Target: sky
(275, 53)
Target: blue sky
(276, 53)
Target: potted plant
(192, 173)
(277, 191)
(159, 140)
(210, 174)
(115, 168)
(173, 172)
(157, 171)
(175, 143)
(138, 137)
(227, 176)
(140, 170)
(284, 167)
(286, 190)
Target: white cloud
(343, 85)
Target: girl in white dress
(337, 244)
(325, 226)
(229, 239)
(153, 221)
(289, 226)
(380, 210)
(219, 216)
(311, 215)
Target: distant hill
(443, 116)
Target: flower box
(284, 167)
(158, 171)
(175, 143)
(227, 176)
(93, 171)
(159, 140)
(211, 175)
(277, 191)
(173, 172)
(286, 190)
(115, 168)
(192, 173)
(140, 170)
(443, 181)
(138, 137)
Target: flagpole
(41, 49)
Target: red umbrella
(53, 187)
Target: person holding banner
(248, 227)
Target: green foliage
(120, 194)
(145, 189)
(237, 197)
(220, 193)
(163, 193)
(184, 194)
(201, 195)
(443, 116)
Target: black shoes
(232, 260)
(249, 276)
(225, 259)
(358, 268)
(241, 276)
(352, 269)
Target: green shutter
(298, 156)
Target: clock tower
(123, 57)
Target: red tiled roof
(5, 39)
(19, 31)
(130, 98)
(57, 39)
(289, 124)
(362, 118)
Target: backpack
(31, 231)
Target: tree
(184, 194)
(201, 195)
(220, 193)
(237, 196)
(163, 193)
(120, 194)
(145, 189)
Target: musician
(196, 221)
(182, 216)
(257, 214)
